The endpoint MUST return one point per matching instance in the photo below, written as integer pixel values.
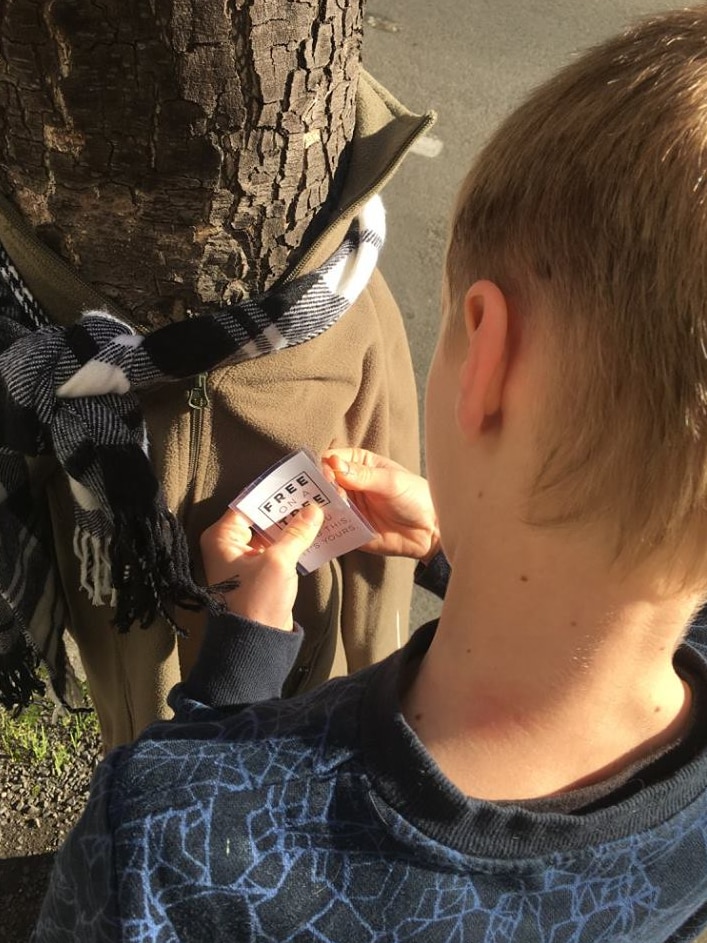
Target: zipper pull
(198, 397)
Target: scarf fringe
(19, 678)
(95, 567)
(151, 574)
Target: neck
(546, 672)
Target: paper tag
(281, 492)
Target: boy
(534, 766)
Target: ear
(484, 368)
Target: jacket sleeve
(240, 662)
(81, 902)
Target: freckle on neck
(480, 494)
(523, 578)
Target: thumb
(357, 477)
(300, 533)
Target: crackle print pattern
(244, 828)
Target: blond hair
(589, 208)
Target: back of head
(588, 208)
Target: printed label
(279, 494)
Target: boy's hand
(257, 580)
(395, 502)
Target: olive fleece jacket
(353, 385)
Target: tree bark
(177, 152)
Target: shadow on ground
(22, 885)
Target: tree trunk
(177, 152)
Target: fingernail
(348, 470)
(308, 513)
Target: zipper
(198, 400)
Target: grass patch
(34, 737)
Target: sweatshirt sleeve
(434, 575)
(240, 662)
(81, 902)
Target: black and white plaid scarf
(69, 392)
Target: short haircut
(588, 207)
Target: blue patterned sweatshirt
(322, 818)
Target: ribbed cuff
(241, 662)
(434, 575)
